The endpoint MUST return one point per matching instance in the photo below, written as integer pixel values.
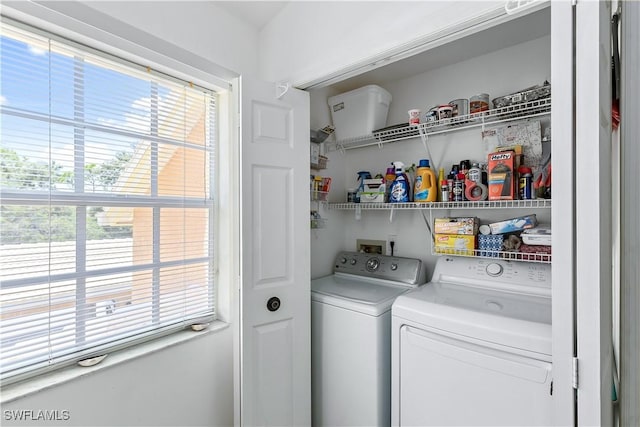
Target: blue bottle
(400, 186)
(362, 175)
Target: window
(107, 207)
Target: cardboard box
(490, 244)
(535, 253)
(501, 175)
(514, 224)
(373, 191)
(467, 226)
(455, 244)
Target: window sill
(42, 382)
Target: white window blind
(107, 204)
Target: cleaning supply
(362, 175)
(400, 186)
(410, 176)
(475, 174)
(450, 181)
(458, 187)
(443, 195)
(389, 177)
(525, 182)
(425, 188)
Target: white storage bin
(359, 112)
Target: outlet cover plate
(371, 246)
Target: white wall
(520, 66)
(189, 383)
(310, 40)
(196, 26)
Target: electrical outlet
(392, 238)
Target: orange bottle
(425, 188)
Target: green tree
(18, 172)
(35, 224)
(105, 175)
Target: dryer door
(447, 379)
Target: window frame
(88, 200)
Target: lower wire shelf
(505, 255)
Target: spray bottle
(426, 185)
(400, 185)
(362, 175)
(389, 177)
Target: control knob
(343, 260)
(394, 266)
(373, 264)
(494, 269)
(353, 261)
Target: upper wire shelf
(525, 110)
(494, 204)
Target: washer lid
(511, 319)
(367, 296)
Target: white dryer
(351, 337)
(473, 346)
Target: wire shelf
(526, 110)
(317, 223)
(319, 196)
(495, 204)
(322, 163)
(483, 253)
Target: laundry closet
(510, 59)
(497, 61)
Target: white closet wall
(497, 73)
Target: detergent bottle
(362, 175)
(425, 188)
(400, 186)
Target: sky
(27, 85)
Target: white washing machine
(473, 346)
(351, 337)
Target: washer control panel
(405, 270)
(493, 273)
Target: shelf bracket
(358, 212)
(424, 136)
(391, 214)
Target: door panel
(593, 184)
(271, 225)
(274, 344)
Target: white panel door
(275, 332)
(563, 211)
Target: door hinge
(574, 380)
